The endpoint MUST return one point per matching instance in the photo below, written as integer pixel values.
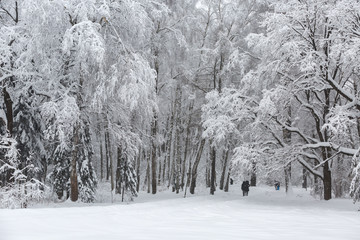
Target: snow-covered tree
(28, 131)
(22, 189)
(307, 70)
(259, 89)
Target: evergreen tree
(87, 179)
(60, 175)
(21, 189)
(28, 133)
(126, 177)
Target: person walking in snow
(245, 188)
(277, 185)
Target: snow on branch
(224, 111)
(61, 117)
(309, 167)
(343, 150)
(21, 190)
(84, 42)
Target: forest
(166, 95)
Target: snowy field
(264, 214)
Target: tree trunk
(123, 193)
(195, 166)
(153, 154)
(178, 159)
(148, 174)
(172, 172)
(164, 166)
(287, 140)
(99, 135)
(9, 111)
(170, 144)
(222, 178)
(326, 151)
(118, 176)
(74, 194)
(287, 170)
(188, 178)
(253, 175)
(304, 178)
(107, 151)
(101, 161)
(172, 169)
(316, 183)
(227, 180)
(213, 170)
(159, 170)
(109, 154)
(45, 164)
(327, 181)
(168, 162)
(177, 138)
(112, 174)
(208, 174)
(138, 172)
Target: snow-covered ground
(264, 214)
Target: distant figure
(245, 188)
(277, 185)
(231, 181)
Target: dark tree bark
(45, 165)
(208, 171)
(107, 153)
(118, 177)
(253, 175)
(111, 168)
(327, 181)
(172, 172)
(74, 193)
(213, 170)
(304, 178)
(228, 180)
(99, 136)
(9, 110)
(138, 172)
(287, 171)
(222, 178)
(160, 168)
(153, 154)
(101, 161)
(148, 177)
(163, 173)
(195, 166)
(178, 159)
(287, 140)
(326, 152)
(178, 144)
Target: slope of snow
(264, 214)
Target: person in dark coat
(245, 188)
